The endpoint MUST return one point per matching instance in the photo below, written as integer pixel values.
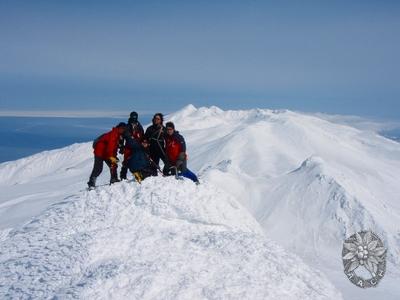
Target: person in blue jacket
(140, 163)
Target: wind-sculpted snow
(164, 239)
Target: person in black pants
(105, 149)
(155, 134)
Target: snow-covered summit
(164, 239)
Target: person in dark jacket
(105, 149)
(135, 130)
(140, 163)
(175, 150)
(155, 135)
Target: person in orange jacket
(105, 149)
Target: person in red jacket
(175, 151)
(105, 149)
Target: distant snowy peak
(186, 111)
(210, 116)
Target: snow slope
(29, 185)
(308, 183)
(164, 239)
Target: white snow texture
(302, 181)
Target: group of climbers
(142, 151)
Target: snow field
(164, 239)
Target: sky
(339, 57)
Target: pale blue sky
(327, 56)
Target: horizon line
(72, 113)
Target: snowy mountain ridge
(301, 180)
(309, 182)
(267, 150)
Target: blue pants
(189, 174)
